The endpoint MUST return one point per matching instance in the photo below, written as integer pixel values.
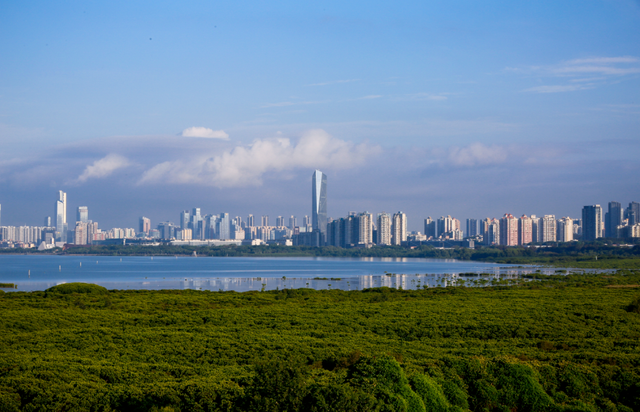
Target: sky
(462, 108)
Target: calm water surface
(243, 273)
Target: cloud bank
(246, 165)
(103, 167)
(205, 133)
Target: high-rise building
(279, 221)
(633, 213)
(365, 228)
(384, 229)
(82, 214)
(536, 229)
(0, 215)
(509, 230)
(144, 225)
(491, 236)
(224, 227)
(264, 221)
(565, 230)
(292, 222)
(185, 219)
(548, 223)
(319, 202)
(47, 221)
(525, 230)
(591, 222)
(250, 221)
(399, 228)
(430, 228)
(472, 227)
(61, 217)
(613, 219)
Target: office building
(591, 222)
(319, 202)
(264, 221)
(525, 230)
(224, 227)
(399, 228)
(82, 214)
(293, 222)
(61, 217)
(47, 221)
(613, 219)
(633, 213)
(250, 221)
(279, 221)
(509, 230)
(185, 219)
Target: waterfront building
(525, 230)
(384, 229)
(613, 219)
(536, 229)
(472, 227)
(399, 228)
(430, 228)
(82, 214)
(548, 228)
(509, 230)
(61, 217)
(591, 222)
(144, 225)
(185, 219)
(319, 202)
(365, 228)
(565, 229)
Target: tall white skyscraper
(399, 228)
(319, 202)
(384, 229)
(61, 217)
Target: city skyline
(438, 108)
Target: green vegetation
(552, 343)
(69, 288)
(7, 285)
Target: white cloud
(205, 132)
(335, 82)
(246, 165)
(477, 154)
(103, 167)
(556, 88)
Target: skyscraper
(319, 202)
(82, 214)
(250, 221)
(61, 217)
(565, 230)
(264, 221)
(548, 223)
(399, 228)
(613, 219)
(384, 229)
(145, 225)
(509, 230)
(591, 222)
(185, 218)
(525, 230)
(633, 213)
(472, 227)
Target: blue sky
(472, 109)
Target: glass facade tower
(319, 202)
